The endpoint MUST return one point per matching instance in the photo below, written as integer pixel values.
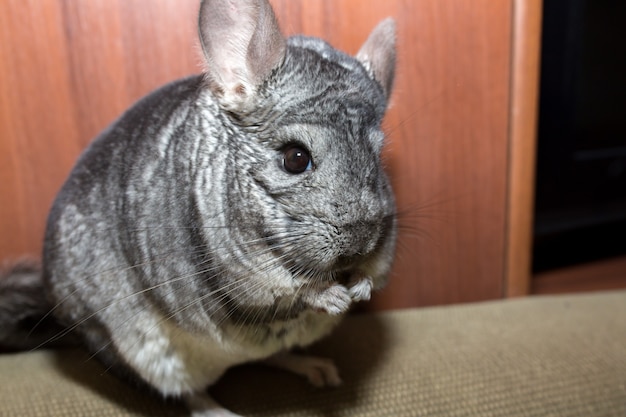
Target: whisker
(91, 276)
(72, 327)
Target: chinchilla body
(186, 238)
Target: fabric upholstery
(535, 356)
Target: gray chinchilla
(229, 217)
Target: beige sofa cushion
(537, 356)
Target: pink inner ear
(378, 54)
(267, 46)
(242, 44)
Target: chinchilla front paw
(333, 300)
(360, 288)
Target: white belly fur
(176, 361)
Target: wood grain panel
(37, 130)
(448, 131)
(70, 67)
(523, 119)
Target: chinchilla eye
(296, 160)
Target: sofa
(559, 355)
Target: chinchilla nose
(359, 241)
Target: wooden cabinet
(460, 127)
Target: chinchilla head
(306, 176)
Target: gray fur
(24, 322)
(180, 220)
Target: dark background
(580, 212)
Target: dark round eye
(296, 160)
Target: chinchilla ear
(378, 54)
(242, 44)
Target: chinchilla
(230, 216)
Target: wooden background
(70, 67)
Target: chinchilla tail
(25, 322)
